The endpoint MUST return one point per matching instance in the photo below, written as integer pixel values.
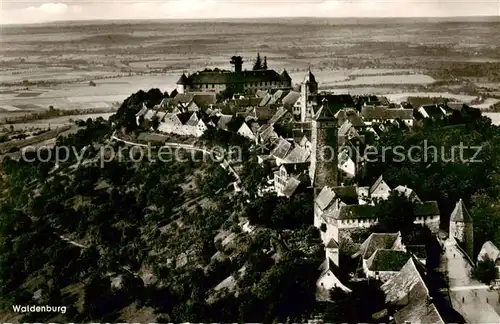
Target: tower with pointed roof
(183, 84)
(323, 170)
(309, 87)
(462, 228)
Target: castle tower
(324, 170)
(237, 61)
(462, 228)
(182, 84)
(308, 87)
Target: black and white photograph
(250, 161)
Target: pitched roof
(377, 241)
(223, 121)
(291, 185)
(281, 150)
(282, 112)
(387, 260)
(183, 80)
(356, 212)
(285, 76)
(324, 113)
(460, 213)
(310, 77)
(408, 193)
(347, 194)
(193, 120)
(426, 208)
(267, 133)
(335, 102)
(350, 115)
(407, 289)
(183, 98)
(383, 113)
(377, 183)
(488, 251)
(433, 111)
(297, 155)
(332, 244)
(184, 117)
(205, 99)
(325, 197)
(290, 99)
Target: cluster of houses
(294, 128)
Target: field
(52, 64)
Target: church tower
(324, 169)
(308, 87)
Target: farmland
(52, 64)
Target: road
(472, 299)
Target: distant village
(294, 123)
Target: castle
(238, 80)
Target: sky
(37, 11)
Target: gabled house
(247, 132)
(408, 298)
(380, 189)
(288, 178)
(346, 164)
(328, 281)
(385, 264)
(330, 200)
(432, 111)
(489, 252)
(187, 124)
(376, 241)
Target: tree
(264, 65)
(258, 63)
(395, 214)
(485, 271)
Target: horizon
(40, 12)
(430, 19)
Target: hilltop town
(294, 125)
(307, 223)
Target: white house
(182, 124)
(380, 189)
(328, 281)
(489, 252)
(247, 132)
